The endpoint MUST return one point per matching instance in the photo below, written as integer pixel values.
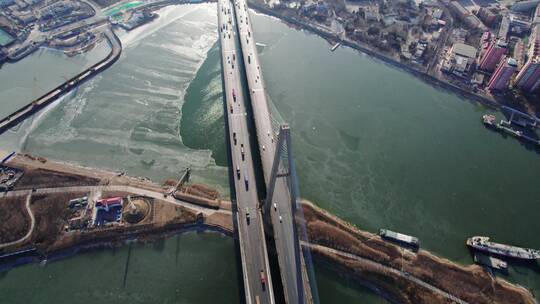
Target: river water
(373, 145)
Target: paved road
(95, 191)
(250, 227)
(403, 274)
(119, 188)
(293, 272)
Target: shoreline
(22, 259)
(424, 76)
(386, 268)
(53, 95)
(36, 106)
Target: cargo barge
(399, 237)
(482, 243)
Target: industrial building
(460, 59)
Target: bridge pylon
(283, 167)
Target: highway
(250, 224)
(293, 273)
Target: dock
(506, 127)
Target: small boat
(335, 46)
(490, 261)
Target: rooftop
(464, 50)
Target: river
(373, 144)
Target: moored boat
(399, 237)
(482, 243)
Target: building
(109, 203)
(487, 16)
(519, 24)
(466, 17)
(536, 16)
(108, 211)
(437, 13)
(485, 41)
(459, 60)
(519, 52)
(503, 74)
(493, 55)
(524, 6)
(534, 42)
(4, 3)
(371, 13)
(528, 78)
(504, 28)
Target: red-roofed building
(109, 203)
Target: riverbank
(50, 188)
(40, 103)
(395, 273)
(399, 274)
(430, 79)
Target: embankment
(401, 274)
(49, 97)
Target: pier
(505, 126)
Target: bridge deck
(250, 227)
(293, 271)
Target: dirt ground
(42, 178)
(14, 219)
(51, 212)
(470, 283)
(221, 220)
(165, 213)
(76, 174)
